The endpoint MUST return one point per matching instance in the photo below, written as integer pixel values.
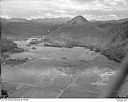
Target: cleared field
(24, 55)
(60, 72)
(4, 68)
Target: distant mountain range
(51, 20)
(22, 28)
(38, 20)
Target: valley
(73, 59)
(54, 72)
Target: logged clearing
(58, 72)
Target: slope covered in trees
(9, 46)
(118, 47)
(78, 32)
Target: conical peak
(78, 20)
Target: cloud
(83, 1)
(91, 9)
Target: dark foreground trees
(9, 46)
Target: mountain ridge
(78, 30)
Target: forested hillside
(118, 46)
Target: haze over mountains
(24, 28)
(16, 27)
(39, 20)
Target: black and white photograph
(64, 49)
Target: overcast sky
(90, 9)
